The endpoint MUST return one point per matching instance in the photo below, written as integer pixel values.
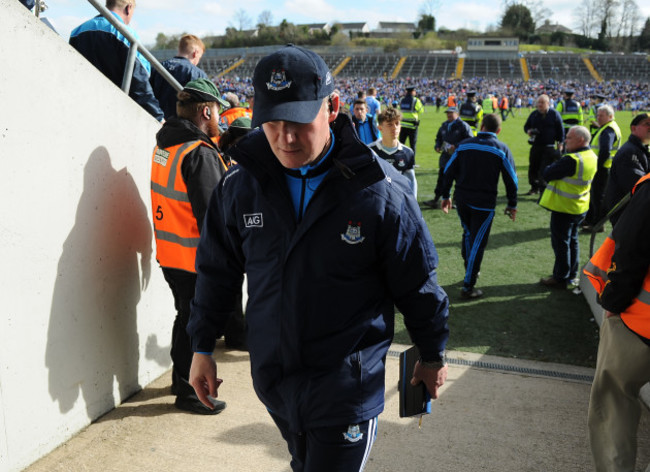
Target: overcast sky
(213, 17)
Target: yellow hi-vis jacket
(175, 227)
(595, 145)
(411, 108)
(637, 315)
(571, 194)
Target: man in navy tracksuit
(476, 166)
(331, 239)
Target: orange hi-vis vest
(231, 114)
(637, 315)
(175, 226)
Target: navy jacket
(631, 162)
(182, 70)
(549, 125)
(476, 166)
(107, 49)
(321, 292)
(452, 132)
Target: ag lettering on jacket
(253, 220)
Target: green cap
(241, 122)
(204, 90)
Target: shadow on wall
(92, 336)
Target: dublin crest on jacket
(353, 234)
(278, 81)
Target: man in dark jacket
(186, 168)
(605, 142)
(631, 162)
(107, 49)
(476, 166)
(183, 67)
(449, 135)
(545, 135)
(331, 239)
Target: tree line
(602, 25)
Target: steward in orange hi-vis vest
(185, 169)
(175, 224)
(636, 315)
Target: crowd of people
(622, 95)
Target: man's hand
(203, 377)
(511, 212)
(445, 205)
(432, 378)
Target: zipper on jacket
(302, 197)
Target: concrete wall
(87, 316)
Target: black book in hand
(413, 400)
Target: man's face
(542, 105)
(642, 131)
(451, 116)
(298, 144)
(213, 124)
(573, 141)
(602, 117)
(360, 112)
(390, 129)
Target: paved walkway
(494, 414)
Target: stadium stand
(557, 66)
(492, 68)
(373, 65)
(215, 66)
(634, 67)
(428, 65)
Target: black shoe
(552, 282)
(533, 191)
(435, 203)
(471, 294)
(194, 405)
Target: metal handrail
(135, 47)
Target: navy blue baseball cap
(290, 85)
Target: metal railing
(133, 50)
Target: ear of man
(333, 104)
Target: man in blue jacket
(476, 166)
(183, 67)
(331, 239)
(364, 122)
(107, 49)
